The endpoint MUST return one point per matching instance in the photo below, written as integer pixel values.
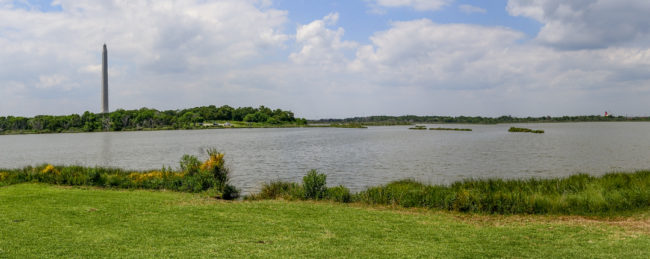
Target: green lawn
(39, 220)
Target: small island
(418, 127)
(452, 129)
(515, 129)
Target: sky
(329, 59)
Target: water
(356, 158)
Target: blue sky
(324, 59)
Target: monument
(104, 80)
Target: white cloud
(486, 68)
(419, 5)
(470, 9)
(587, 24)
(177, 54)
(49, 81)
(319, 44)
(146, 41)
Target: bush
(190, 164)
(314, 185)
(339, 194)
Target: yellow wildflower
(215, 160)
(139, 177)
(50, 169)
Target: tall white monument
(104, 80)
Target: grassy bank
(49, 221)
(211, 176)
(610, 194)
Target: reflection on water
(356, 158)
(105, 156)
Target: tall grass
(578, 194)
(312, 188)
(211, 176)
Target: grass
(194, 176)
(41, 220)
(582, 194)
(452, 129)
(515, 129)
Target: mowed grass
(39, 220)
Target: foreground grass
(50, 221)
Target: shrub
(190, 164)
(339, 194)
(314, 185)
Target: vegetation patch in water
(348, 125)
(515, 129)
(418, 127)
(452, 129)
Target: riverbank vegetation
(452, 129)
(152, 119)
(211, 176)
(525, 130)
(412, 119)
(580, 194)
(347, 125)
(45, 221)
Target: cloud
(146, 41)
(421, 52)
(470, 9)
(176, 54)
(488, 68)
(587, 24)
(419, 5)
(320, 45)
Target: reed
(579, 194)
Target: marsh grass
(210, 176)
(580, 194)
(313, 187)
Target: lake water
(356, 158)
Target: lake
(356, 158)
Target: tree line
(410, 119)
(145, 118)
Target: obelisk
(104, 80)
